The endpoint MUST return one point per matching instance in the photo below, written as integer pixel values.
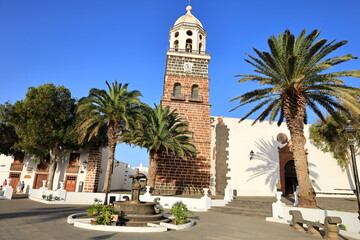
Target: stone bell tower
(186, 89)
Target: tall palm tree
(115, 109)
(296, 71)
(161, 131)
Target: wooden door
(15, 179)
(38, 180)
(70, 184)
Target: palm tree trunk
(306, 193)
(153, 169)
(52, 169)
(294, 105)
(109, 169)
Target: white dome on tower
(188, 18)
(188, 34)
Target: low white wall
(36, 193)
(280, 214)
(83, 198)
(349, 219)
(193, 204)
(69, 197)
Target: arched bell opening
(188, 45)
(176, 45)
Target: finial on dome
(188, 9)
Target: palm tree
(115, 109)
(296, 71)
(161, 131)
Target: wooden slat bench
(329, 226)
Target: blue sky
(81, 44)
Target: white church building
(250, 160)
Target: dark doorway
(290, 178)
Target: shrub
(342, 227)
(179, 211)
(102, 213)
(43, 196)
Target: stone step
(245, 203)
(20, 195)
(242, 211)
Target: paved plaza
(25, 219)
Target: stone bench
(329, 226)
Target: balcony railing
(180, 97)
(197, 98)
(188, 98)
(16, 167)
(188, 51)
(72, 169)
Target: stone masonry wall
(191, 175)
(175, 66)
(93, 170)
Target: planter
(178, 227)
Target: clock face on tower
(188, 66)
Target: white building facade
(250, 160)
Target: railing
(197, 98)
(188, 51)
(72, 169)
(180, 97)
(16, 167)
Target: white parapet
(8, 191)
(281, 214)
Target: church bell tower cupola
(188, 34)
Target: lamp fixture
(252, 154)
(85, 164)
(117, 163)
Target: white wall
(258, 177)
(5, 163)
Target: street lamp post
(350, 131)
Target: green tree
(328, 136)
(43, 123)
(8, 136)
(113, 109)
(297, 73)
(161, 131)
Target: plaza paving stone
(25, 219)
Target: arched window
(188, 45)
(195, 92)
(176, 45)
(200, 46)
(177, 90)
